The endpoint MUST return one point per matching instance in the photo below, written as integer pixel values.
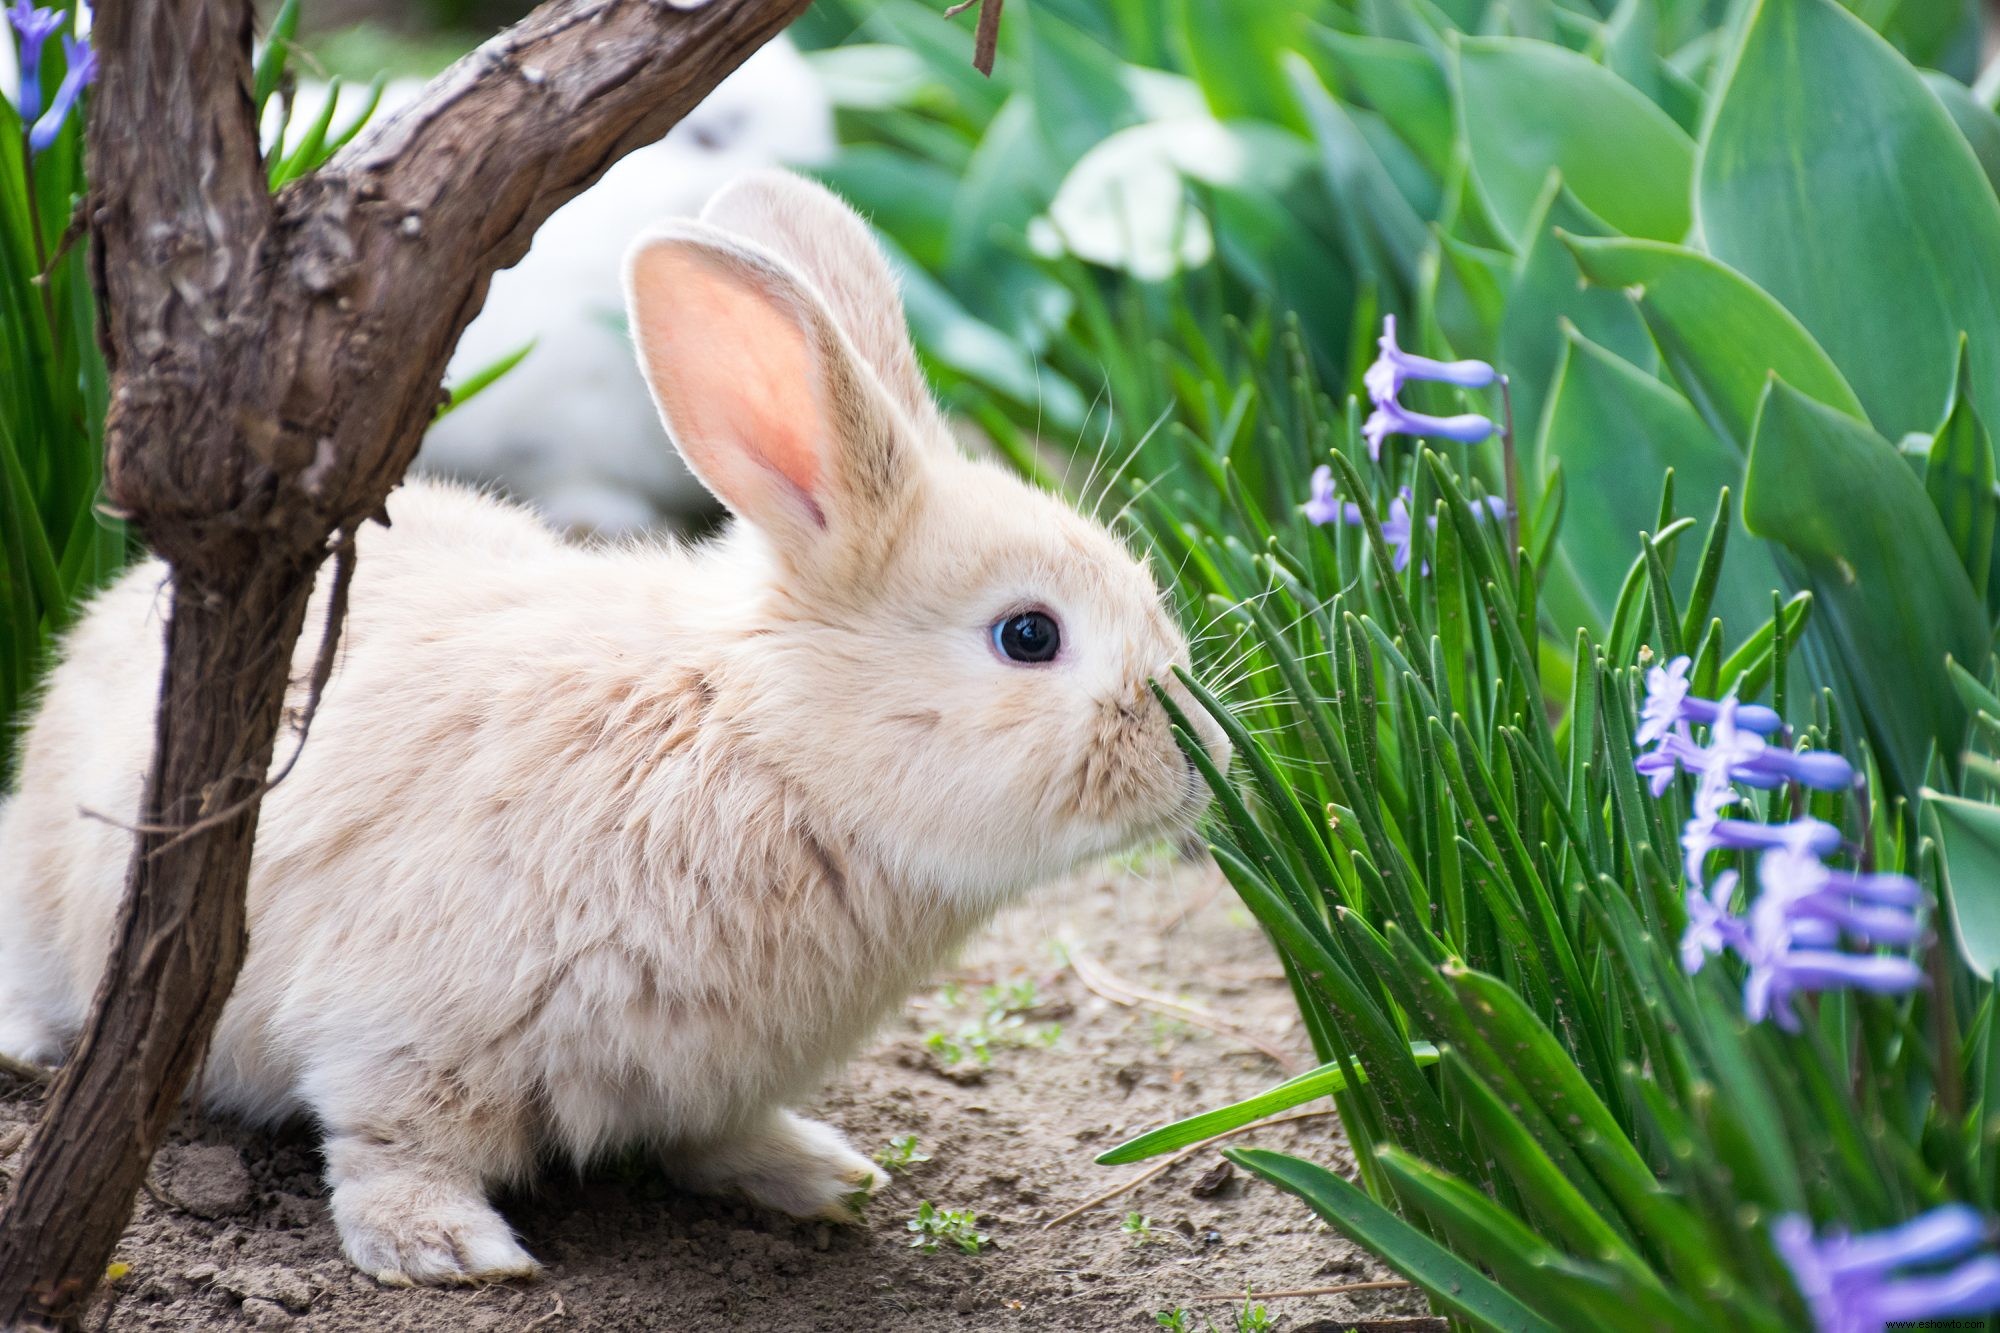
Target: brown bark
(274, 363)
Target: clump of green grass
(936, 1227)
(1001, 1023)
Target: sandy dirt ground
(235, 1232)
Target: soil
(235, 1232)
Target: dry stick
(986, 38)
(1100, 981)
(1396, 1284)
(329, 645)
(558, 1313)
(1166, 1162)
(25, 1072)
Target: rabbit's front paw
(408, 1227)
(794, 1165)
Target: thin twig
(558, 1313)
(1341, 1290)
(1166, 1163)
(1100, 981)
(323, 663)
(986, 37)
(25, 1072)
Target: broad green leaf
(1233, 47)
(1979, 125)
(1864, 213)
(1525, 106)
(1404, 83)
(1891, 593)
(1968, 834)
(1453, 1284)
(1615, 431)
(1959, 477)
(1549, 295)
(1722, 336)
(1307, 1087)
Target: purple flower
(34, 27)
(82, 69)
(1390, 418)
(1322, 508)
(1709, 830)
(1395, 367)
(1875, 909)
(1668, 702)
(1849, 1282)
(1734, 746)
(1793, 945)
(1711, 928)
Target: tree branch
(274, 364)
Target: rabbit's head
(950, 662)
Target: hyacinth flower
(1712, 928)
(1744, 754)
(1796, 926)
(1393, 368)
(1324, 507)
(1709, 829)
(82, 70)
(1852, 1284)
(1669, 704)
(33, 27)
(1391, 418)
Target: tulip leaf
(1892, 596)
(1547, 292)
(1452, 1283)
(1960, 481)
(1404, 84)
(1978, 123)
(1721, 335)
(1968, 834)
(1615, 430)
(1525, 106)
(1866, 214)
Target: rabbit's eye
(1029, 636)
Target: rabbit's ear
(764, 396)
(825, 240)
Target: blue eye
(1029, 636)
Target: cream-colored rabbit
(595, 847)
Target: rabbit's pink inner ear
(735, 377)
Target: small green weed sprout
(936, 1226)
(901, 1154)
(1252, 1318)
(1001, 1023)
(1139, 1227)
(1175, 1320)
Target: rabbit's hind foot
(790, 1164)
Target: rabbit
(607, 846)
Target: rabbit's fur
(601, 847)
